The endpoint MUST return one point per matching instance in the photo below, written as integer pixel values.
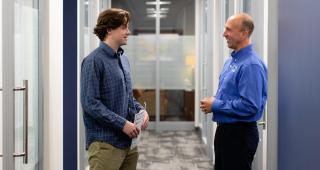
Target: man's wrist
(216, 105)
(121, 122)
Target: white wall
(53, 92)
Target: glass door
(19, 84)
(141, 51)
(161, 50)
(177, 60)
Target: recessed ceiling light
(160, 2)
(155, 16)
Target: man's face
(233, 33)
(120, 34)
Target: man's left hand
(206, 103)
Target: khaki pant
(103, 156)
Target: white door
(19, 85)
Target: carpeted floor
(172, 150)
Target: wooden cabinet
(189, 105)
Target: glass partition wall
(161, 51)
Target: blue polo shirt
(242, 91)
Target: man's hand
(145, 120)
(131, 130)
(206, 103)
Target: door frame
(8, 82)
(272, 126)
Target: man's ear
(109, 30)
(245, 33)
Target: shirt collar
(242, 51)
(106, 48)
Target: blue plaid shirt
(106, 96)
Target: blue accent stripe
(70, 85)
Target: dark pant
(235, 146)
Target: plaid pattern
(106, 96)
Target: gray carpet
(172, 150)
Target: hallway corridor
(172, 150)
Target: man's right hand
(131, 130)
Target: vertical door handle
(24, 154)
(263, 122)
(25, 122)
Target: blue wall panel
(70, 85)
(299, 85)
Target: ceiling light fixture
(160, 3)
(153, 12)
(155, 15)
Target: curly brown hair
(110, 19)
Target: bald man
(240, 99)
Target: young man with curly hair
(107, 99)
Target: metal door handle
(262, 123)
(24, 154)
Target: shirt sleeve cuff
(216, 105)
(120, 122)
(140, 108)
